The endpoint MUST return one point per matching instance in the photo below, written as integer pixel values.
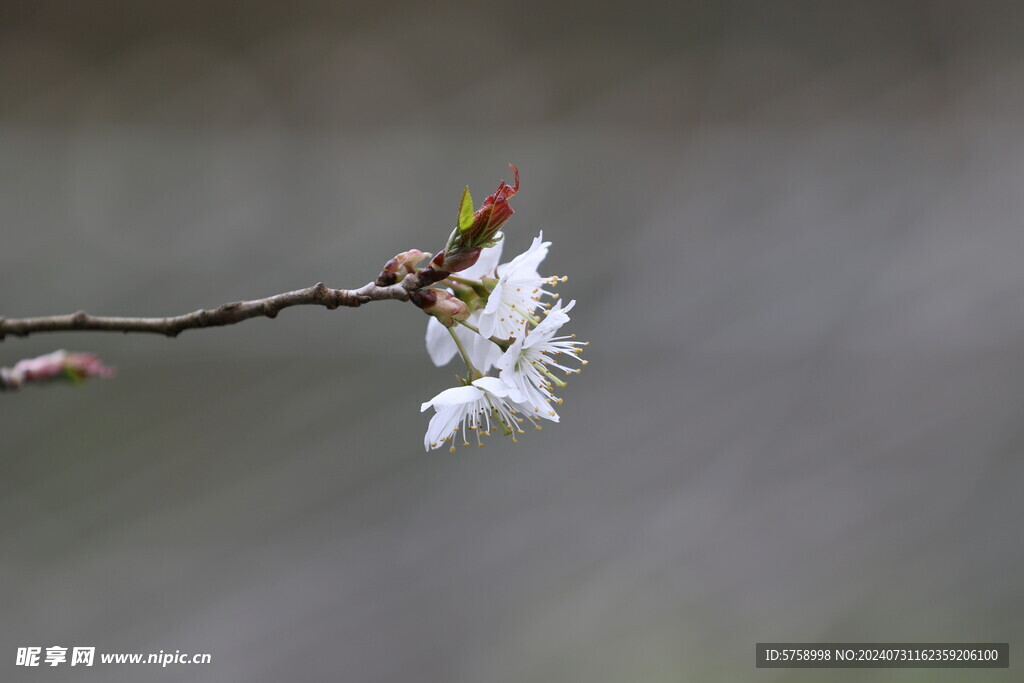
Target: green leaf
(493, 241)
(466, 210)
(74, 376)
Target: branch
(228, 314)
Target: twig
(228, 314)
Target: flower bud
(474, 231)
(454, 260)
(53, 366)
(400, 266)
(467, 294)
(494, 211)
(444, 306)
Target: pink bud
(400, 266)
(76, 366)
(444, 306)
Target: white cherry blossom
(527, 364)
(517, 293)
(487, 402)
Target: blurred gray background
(795, 234)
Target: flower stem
(471, 326)
(503, 343)
(473, 372)
(463, 280)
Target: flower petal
(534, 403)
(440, 344)
(497, 387)
(482, 352)
(452, 397)
(528, 261)
(492, 385)
(549, 326)
(443, 423)
(489, 317)
(508, 359)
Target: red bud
(494, 211)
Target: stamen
(554, 379)
(526, 315)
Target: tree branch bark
(227, 314)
